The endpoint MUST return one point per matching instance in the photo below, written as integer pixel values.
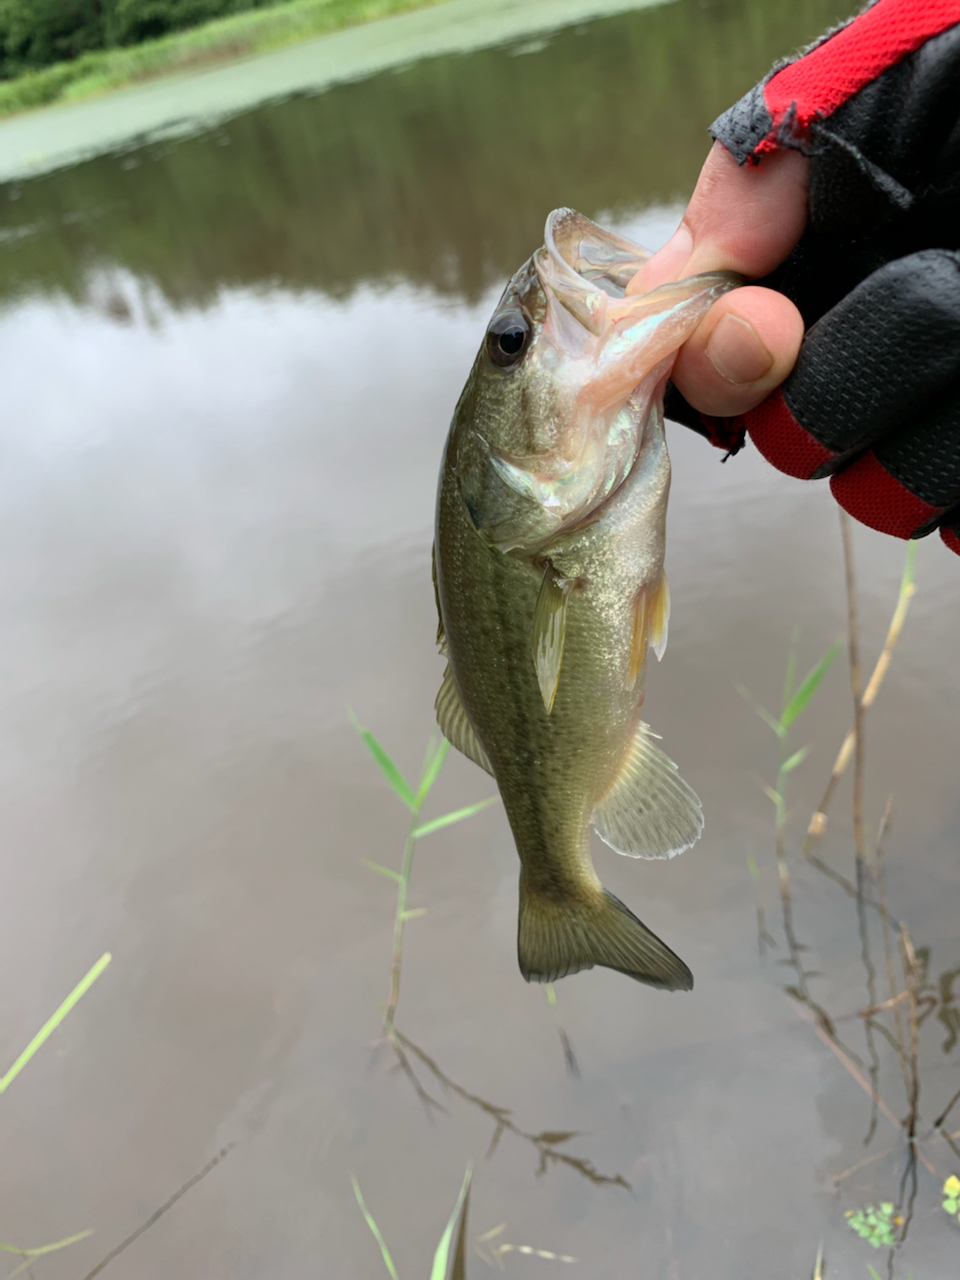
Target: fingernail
(736, 352)
(666, 264)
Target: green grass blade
(28, 1255)
(808, 686)
(798, 757)
(48, 1028)
(442, 1256)
(873, 1272)
(431, 769)
(791, 672)
(909, 566)
(385, 871)
(375, 1229)
(387, 767)
(457, 816)
(761, 710)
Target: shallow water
(228, 366)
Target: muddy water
(228, 365)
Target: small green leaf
(761, 711)
(431, 769)
(412, 915)
(808, 686)
(798, 757)
(873, 1272)
(387, 767)
(442, 1256)
(435, 824)
(951, 1206)
(385, 871)
(375, 1229)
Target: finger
(743, 348)
(740, 218)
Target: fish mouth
(592, 372)
(582, 265)
(584, 271)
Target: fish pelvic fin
(455, 723)
(650, 812)
(561, 936)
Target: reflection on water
(440, 174)
(228, 366)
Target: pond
(228, 362)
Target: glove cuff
(786, 108)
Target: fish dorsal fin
(650, 812)
(650, 624)
(549, 633)
(455, 723)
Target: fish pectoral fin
(559, 937)
(650, 622)
(455, 723)
(549, 633)
(650, 812)
(659, 617)
(441, 635)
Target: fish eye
(507, 338)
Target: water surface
(228, 365)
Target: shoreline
(190, 101)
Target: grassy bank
(223, 39)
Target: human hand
(851, 183)
(744, 219)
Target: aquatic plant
(48, 1028)
(413, 800)
(951, 1196)
(876, 1224)
(447, 1265)
(96, 69)
(29, 1255)
(913, 997)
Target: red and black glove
(874, 398)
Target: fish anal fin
(650, 621)
(455, 723)
(549, 633)
(560, 937)
(650, 812)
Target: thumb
(746, 220)
(740, 218)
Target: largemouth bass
(548, 566)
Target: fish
(550, 589)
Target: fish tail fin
(559, 937)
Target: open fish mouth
(582, 265)
(590, 361)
